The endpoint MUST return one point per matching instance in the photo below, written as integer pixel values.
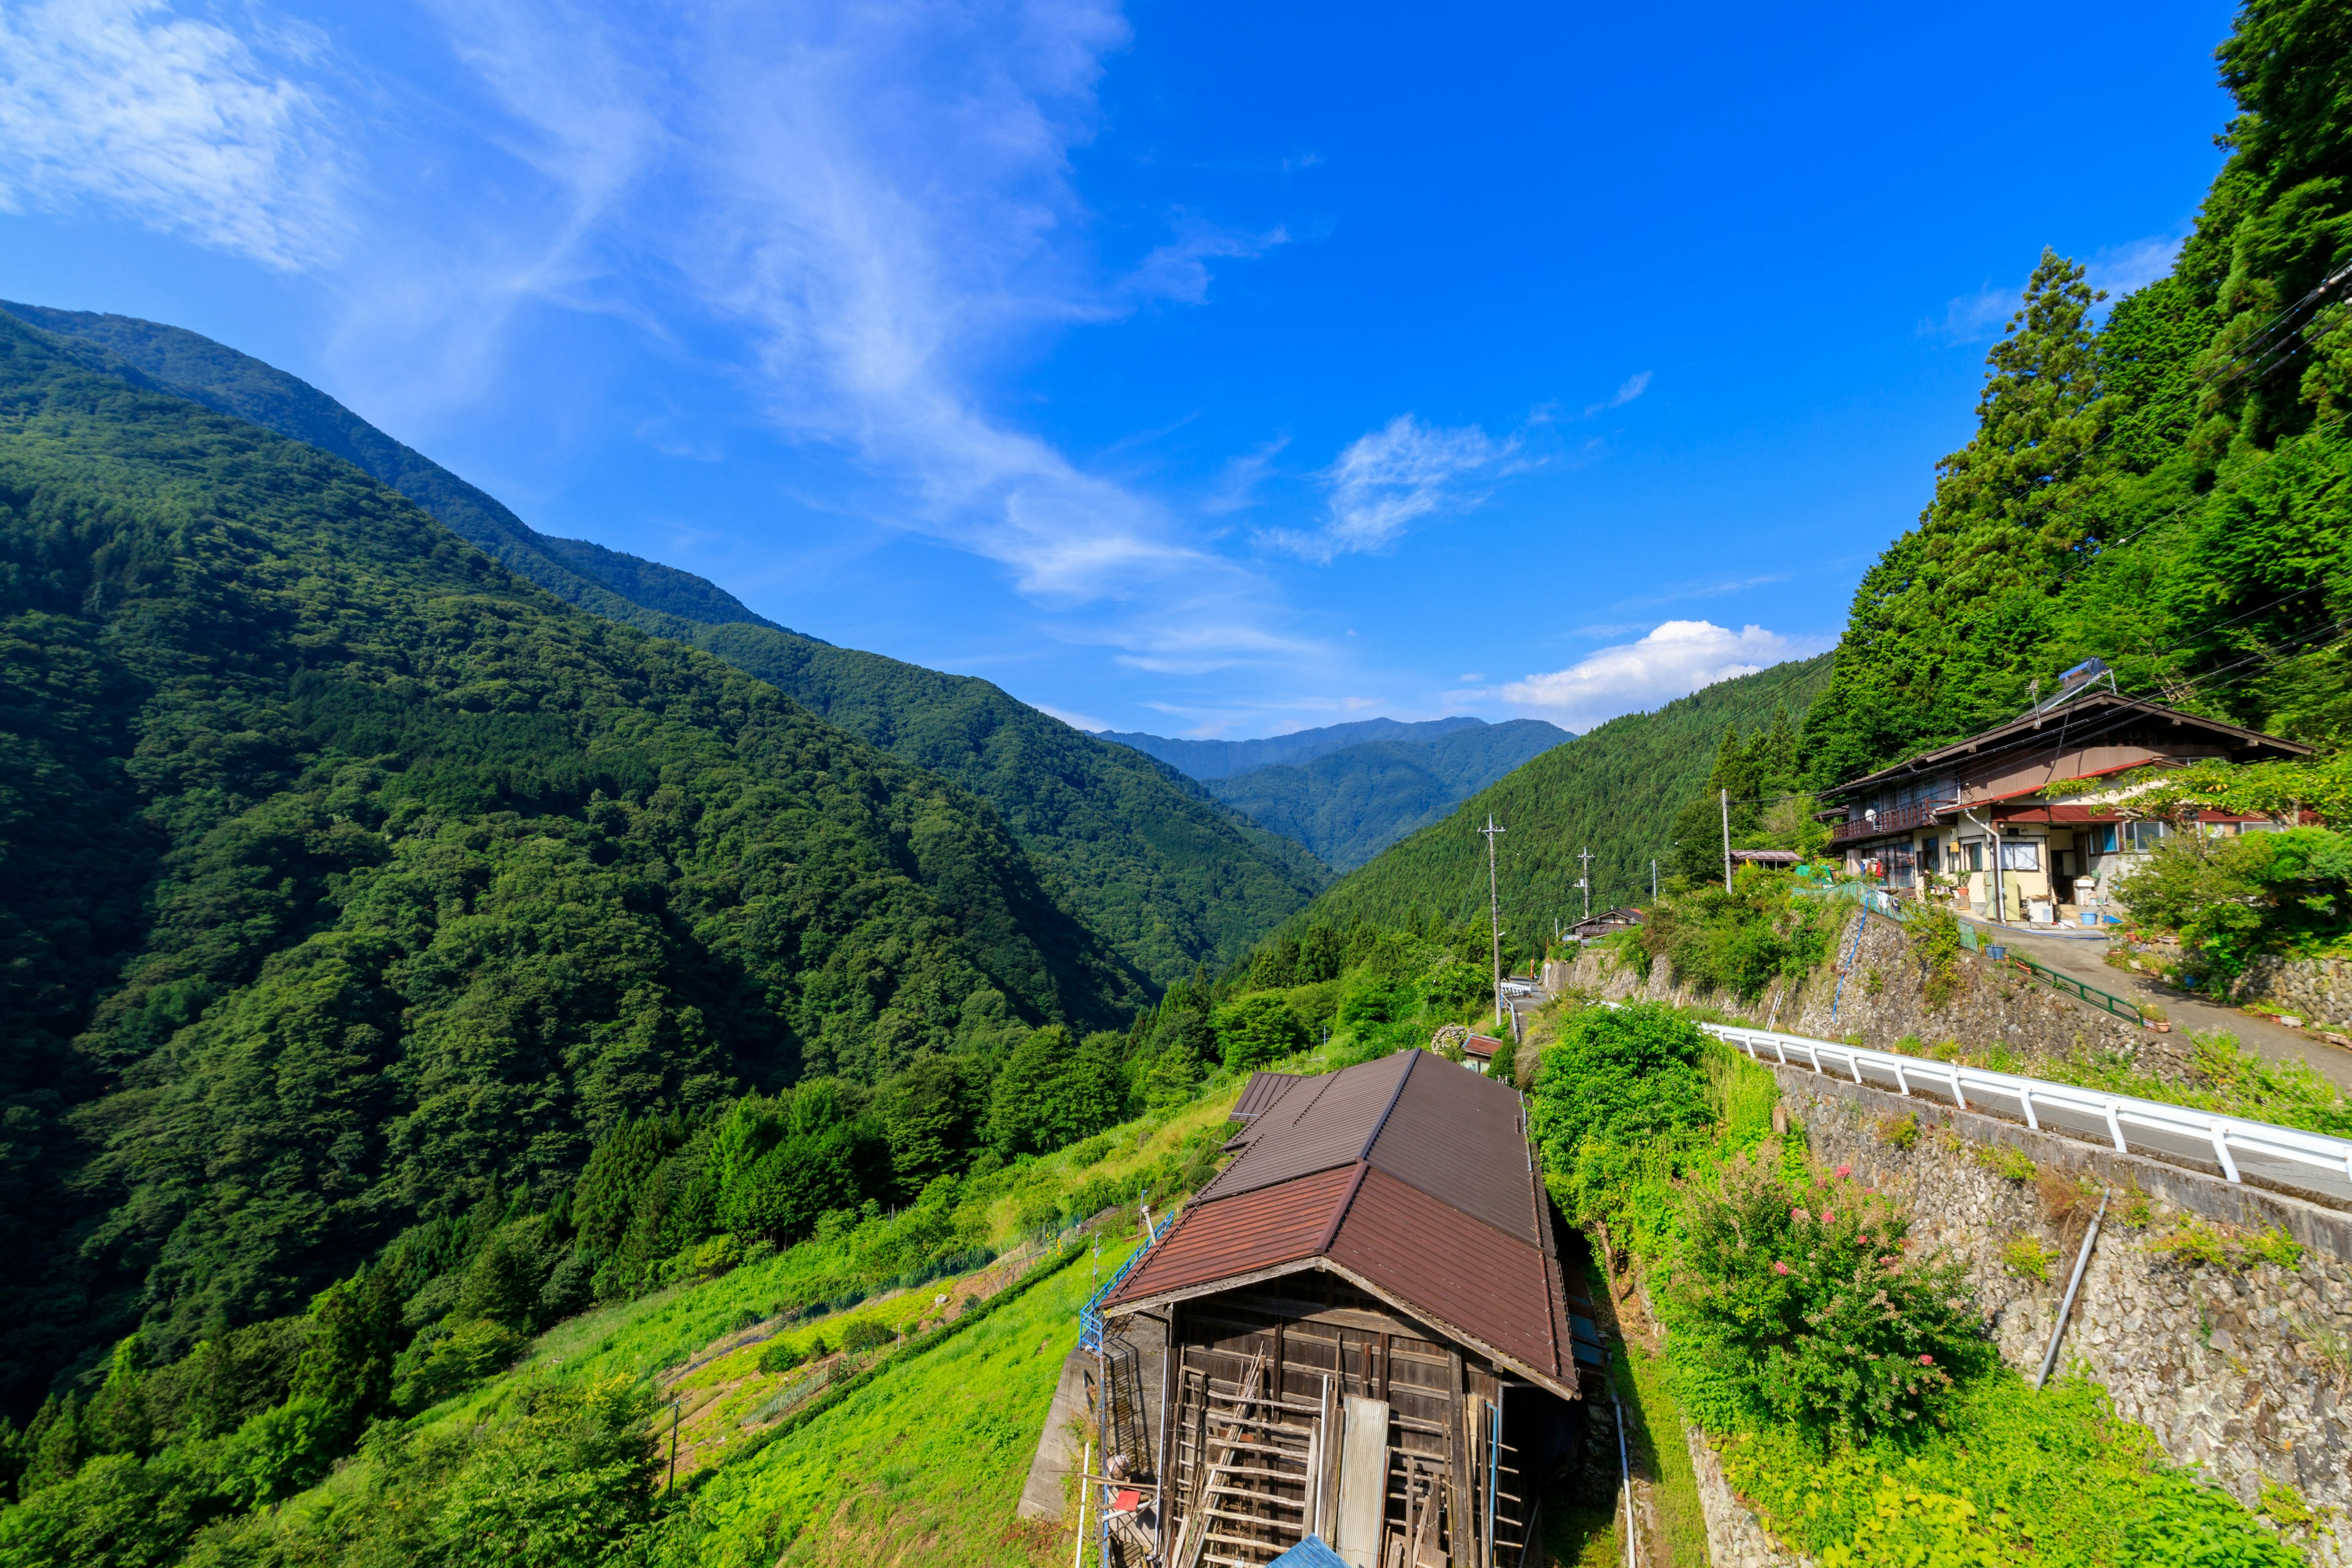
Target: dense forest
(359, 897)
(1148, 858)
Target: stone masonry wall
(2317, 989)
(1875, 995)
(2246, 1371)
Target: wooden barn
(1366, 1328)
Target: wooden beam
(1460, 1552)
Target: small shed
(1480, 1049)
(1609, 922)
(1367, 1326)
(1766, 857)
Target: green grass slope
(349, 883)
(1169, 877)
(1614, 790)
(1349, 804)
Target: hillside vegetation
(1349, 804)
(1209, 760)
(1164, 874)
(355, 890)
(1615, 790)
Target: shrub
(865, 1334)
(2009, 1164)
(1258, 1029)
(1808, 1305)
(1089, 1152)
(718, 1256)
(2193, 1241)
(780, 1356)
(432, 1370)
(1899, 1131)
(1615, 1082)
(2026, 1258)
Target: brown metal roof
(1264, 1089)
(1332, 1127)
(1468, 1276)
(1410, 1175)
(1256, 1230)
(2032, 728)
(1459, 1137)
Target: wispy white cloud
(2120, 269)
(1388, 479)
(174, 121)
(2114, 270)
(1631, 388)
(1675, 659)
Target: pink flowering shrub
(1805, 1300)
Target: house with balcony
(1974, 821)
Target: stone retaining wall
(2244, 1370)
(1877, 993)
(2317, 990)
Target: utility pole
(1727, 841)
(1494, 911)
(1585, 881)
(1653, 881)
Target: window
(1975, 848)
(2026, 856)
(2103, 841)
(2141, 837)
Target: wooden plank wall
(1307, 1335)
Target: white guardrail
(2284, 1156)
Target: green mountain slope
(1615, 792)
(348, 884)
(1349, 804)
(1207, 760)
(1170, 877)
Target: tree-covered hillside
(2170, 490)
(350, 887)
(1170, 877)
(1615, 790)
(1349, 804)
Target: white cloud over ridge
(174, 121)
(1675, 659)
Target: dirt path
(2085, 960)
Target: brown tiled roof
(1481, 1046)
(1407, 1174)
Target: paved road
(2085, 961)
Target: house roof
(1410, 1178)
(1262, 1089)
(2051, 723)
(1481, 1046)
(1767, 856)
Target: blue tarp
(1308, 1553)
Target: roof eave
(1162, 1298)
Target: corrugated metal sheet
(1240, 1235)
(1470, 1275)
(1264, 1088)
(1455, 1135)
(1331, 1130)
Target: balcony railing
(1895, 820)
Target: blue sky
(1208, 369)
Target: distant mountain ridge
(1206, 760)
(1170, 877)
(1349, 790)
(1615, 792)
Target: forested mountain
(1208, 760)
(1349, 804)
(351, 888)
(2170, 490)
(1615, 791)
(1167, 876)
